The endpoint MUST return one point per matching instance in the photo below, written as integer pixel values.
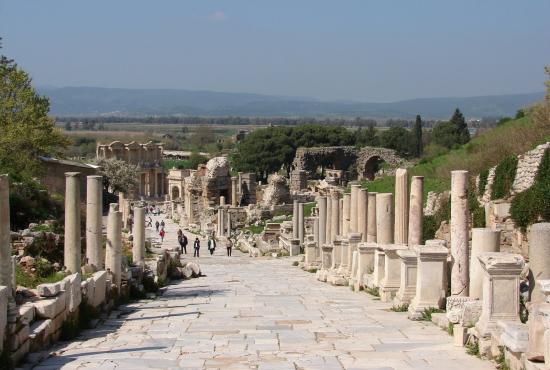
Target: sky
(361, 50)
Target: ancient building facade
(148, 159)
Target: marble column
(5, 236)
(113, 250)
(341, 217)
(353, 209)
(221, 222)
(222, 200)
(138, 244)
(362, 215)
(460, 273)
(416, 211)
(322, 205)
(384, 218)
(335, 215)
(94, 213)
(401, 207)
(233, 191)
(346, 214)
(371, 217)
(483, 240)
(301, 227)
(72, 250)
(228, 224)
(295, 220)
(316, 230)
(500, 290)
(328, 234)
(539, 258)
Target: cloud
(218, 16)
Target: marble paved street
(260, 314)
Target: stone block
(471, 311)
(26, 313)
(51, 307)
(100, 288)
(515, 336)
(73, 291)
(49, 290)
(21, 336)
(460, 335)
(38, 334)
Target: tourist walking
(162, 224)
(229, 247)
(150, 222)
(196, 246)
(157, 225)
(162, 233)
(211, 245)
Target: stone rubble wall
(528, 165)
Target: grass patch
(308, 209)
(472, 348)
(295, 263)
(373, 291)
(400, 308)
(504, 177)
(312, 270)
(255, 229)
(450, 329)
(427, 313)
(32, 281)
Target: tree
(118, 175)
(399, 139)
(417, 137)
(462, 133)
(452, 133)
(26, 131)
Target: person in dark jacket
(197, 247)
(157, 225)
(211, 245)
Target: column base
(322, 275)
(337, 279)
(388, 290)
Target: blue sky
(363, 50)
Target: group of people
(183, 241)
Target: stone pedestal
(407, 285)
(379, 266)
(295, 219)
(539, 258)
(322, 205)
(483, 240)
(301, 228)
(326, 262)
(94, 213)
(430, 279)
(344, 267)
(294, 248)
(113, 250)
(365, 263)
(310, 250)
(371, 217)
(353, 239)
(138, 244)
(362, 213)
(401, 207)
(416, 211)
(5, 240)
(460, 272)
(500, 290)
(335, 275)
(72, 250)
(346, 215)
(354, 203)
(392, 272)
(384, 218)
(234, 196)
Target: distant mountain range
(95, 101)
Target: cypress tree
(462, 133)
(417, 132)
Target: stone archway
(369, 159)
(372, 166)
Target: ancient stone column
(340, 216)
(539, 258)
(301, 227)
(416, 211)
(353, 214)
(138, 247)
(500, 290)
(72, 252)
(460, 273)
(335, 215)
(222, 200)
(328, 234)
(384, 218)
(371, 218)
(316, 230)
(221, 222)
(5, 237)
(94, 213)
(233, 191)
(113, 250)
(401, 207)
(295, 220)
(483, 240)
(346, 215)
(322, 205)
(362, 216)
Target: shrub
(483, 177)
(400, 308)
(504, 177)
(533, 204)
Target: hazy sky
(381, 50)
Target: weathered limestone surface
(335, 215)
(384, 218)
(392, 271)
(328, 234)
(231, 319)
(94, 212)
(362, 213)
(72, 252)
(407, 285)
(138, 246)
(401, 206)
(483, 240)
(539, 258)
(459, 234)
(346, 226)
(295, 219)
(416, 211)
(371, 218)
(5, 239)
(113, 249)
(354, 209)
(322, 205)
(301, 226)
